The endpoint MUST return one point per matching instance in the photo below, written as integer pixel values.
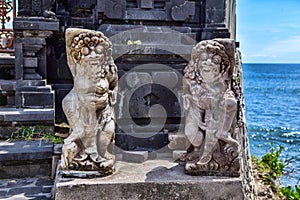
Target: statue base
(153, 179)
(82, 174)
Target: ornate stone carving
(36, 8)
(184, 11)
(210, 106)
(89, 105)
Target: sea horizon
(270, 63)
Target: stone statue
(210, 110)
(89, 105)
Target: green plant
(25, 133)
(290, 193)
(53, 138)
(271, 163)
(273, 168)
(35, 132)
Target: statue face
(91, 55)
(210, 66)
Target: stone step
(12, 118)
(153, 179)
(7, 61)
(153, 49)
(37, 99)
(19, 159)
(7, 85)
(166, 38)
(26, 83)
(26, 188)
(110, 28)
(26, 115)
(141, 141)
(46, 89)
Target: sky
(269, 30)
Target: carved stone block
(146, 3)
(89, 105)
(210, 109)
(36, 8)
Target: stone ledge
(153, 179)
(27, 188)
(25, 150)
(26, 115)
(25, 159)
(35, 23)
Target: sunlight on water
(272, 98)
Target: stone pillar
(215, 19)
(31, 34)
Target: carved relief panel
(162, 10)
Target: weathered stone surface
(89, 105)
(26, 188)
(211, 110)
(36, 8)
(135, 156)
(167, 79)
(132, 142)
(178, 141)
(155, 179)
(25, 159)
(177, 154)
(26, 115)
(37, 23)
(145, 3)
(37, 99)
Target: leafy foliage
(273, 168)
(271, 163)
(290, 193)
(35, 132)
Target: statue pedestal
(153, 179)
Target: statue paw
(109, 156)
(190, 166)
(204, 160)
(107, 163)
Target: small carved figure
(210, 107)
(89, 105)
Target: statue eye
(215, 71)
(85, 51)
(99, 49)
(203, 56)
(217, 60)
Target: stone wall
(157, 33)
(246, 164)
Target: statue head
(209, 61)
(88, 47)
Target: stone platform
(26, 188)
(153, 179)
(19, 159)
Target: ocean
(272, 101)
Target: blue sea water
(272, 99)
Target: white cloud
(290, 45)
(261, 56)
(289, 25)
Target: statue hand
(112, 97)
(186, 101)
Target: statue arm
(71, 62)
(186, 94)
(113, 88)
